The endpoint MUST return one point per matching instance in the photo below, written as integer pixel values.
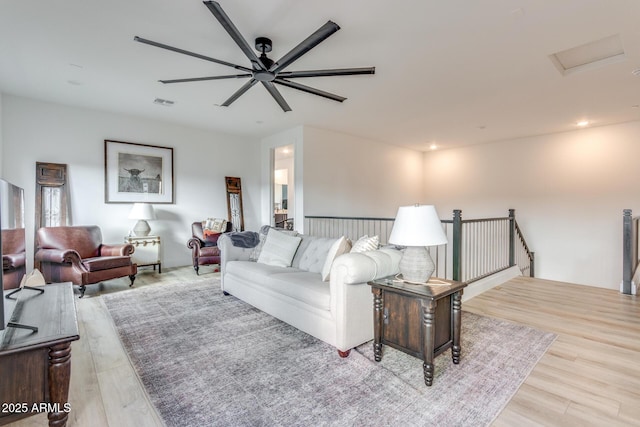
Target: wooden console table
(420, 320)
(35, 367)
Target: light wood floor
(590, 376)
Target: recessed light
(433, 146)
(583, 123)
(636, 72)
(74, 82)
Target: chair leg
(82, 289)
(132, 277)
(196, 268)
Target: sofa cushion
(206, 251)
(365, 244)
(340, 246)
(314, 256)
(292, 282)
(106, 262)
(302, 286)
(254, 271)
(279, 249)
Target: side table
(35, 367)
(420, 320)
(147, 251)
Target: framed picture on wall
(137, 173)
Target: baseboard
(483, 285)
(634, 288)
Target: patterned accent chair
(77, 254)
(204, 249)
(13, 257)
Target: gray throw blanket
(244, 239)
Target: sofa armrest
(58, 256)
(117, 250)
(194, 243)
(351, 297)
(13, 260)
(230, 252)
(363, 267)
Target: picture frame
(136, 173)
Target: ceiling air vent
(164, 102)
(589, 55)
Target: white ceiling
(453, 72)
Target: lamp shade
(142, 211)
(417, 225)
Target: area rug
(207, 359)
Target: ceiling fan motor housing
(263, 44)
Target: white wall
(568, 189)
(345, 175)
(39, 131)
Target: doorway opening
(283, 189)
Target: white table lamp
(416, 227)
(142, 212)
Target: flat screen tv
(11, 221)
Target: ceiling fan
(263, 69)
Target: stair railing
(477, 247)
(629, 249)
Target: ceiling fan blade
(309, 89)
(326, 73)
(305, 46)
(245, 87)
(195, 55)
(200, 79)
(277, 96)
(226, 23)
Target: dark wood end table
(420, 320)
(35, 367)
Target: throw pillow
(341, 246)
(279, 249)
(255, 253)
(213, 226)
(366, 243)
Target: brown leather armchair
(204, 249)
(77, 254)
(13, 257)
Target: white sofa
(338, 312)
